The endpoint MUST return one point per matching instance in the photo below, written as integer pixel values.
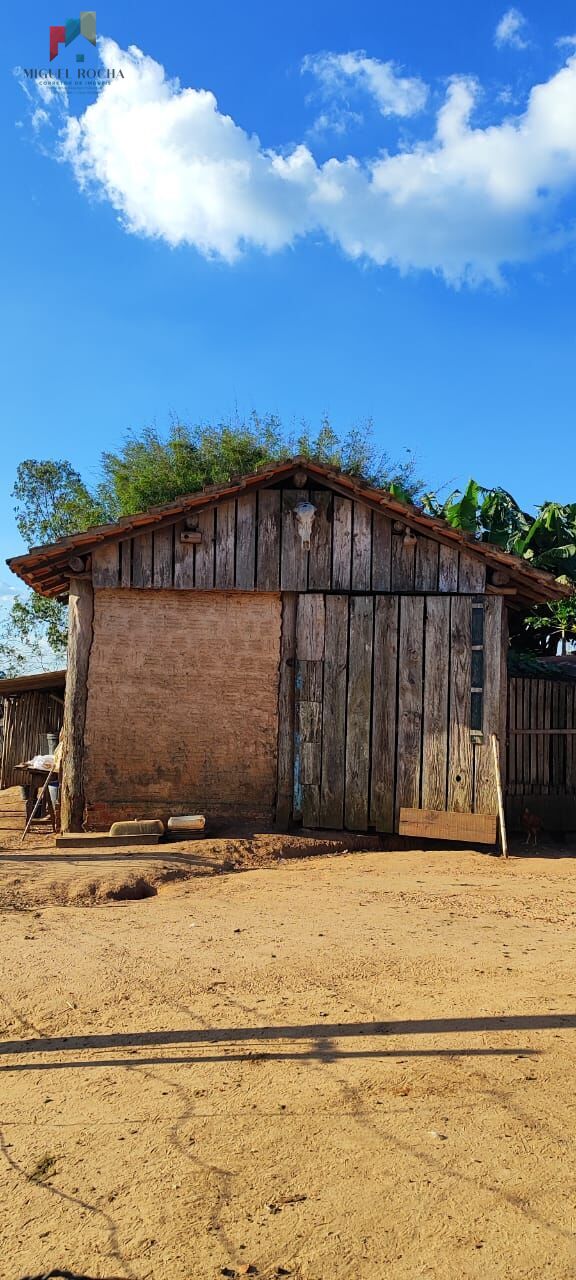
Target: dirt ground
(336, 1067)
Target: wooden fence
(541, 751)
(27, 715)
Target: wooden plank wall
(541, 766)
(540, 763)
(382, 707)
(252, 543)
(27, 715)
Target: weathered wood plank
(409, 740)
(80, 634)
(163, 557)
(511, 738)
(427, 560)
(183, 560)
(310, 620)
(485, 789)
(334, 712)
(320, 559)
(126, 563)
(142, 560)
(541, 743)
(361, 547)
(435, 715)
(294, 559)
(342, 544)
(204, 551)
(106, 565)
(570, 743)
(381, 551)
(384, 712)
(358, 724)
(246, 541)
(547, 722)
(526, 744)
(268, 554)
(448, 569)
(460, 741)
(428, 824)
(471, 574)
(533, 699)
(403, 563)
(310, 627)
(286, 699)
(225, 536)
(556, 778)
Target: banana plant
(547, 540)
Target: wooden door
(387, 701)
(333, 663)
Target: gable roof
(47, 568)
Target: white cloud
(394, 93)
(510, 30)
(566, 42)
(463, 204)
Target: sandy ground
(354, 1066)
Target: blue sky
(441, 306)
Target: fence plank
(511, 769)
(570, 743)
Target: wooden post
(80, 624)
(503, 837)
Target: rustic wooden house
(33, 705)
(294, 645)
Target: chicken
(532, 824)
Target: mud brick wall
(182, 704)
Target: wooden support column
(80, 631)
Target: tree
(52, 500)
(150, 469)
(546, 540)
